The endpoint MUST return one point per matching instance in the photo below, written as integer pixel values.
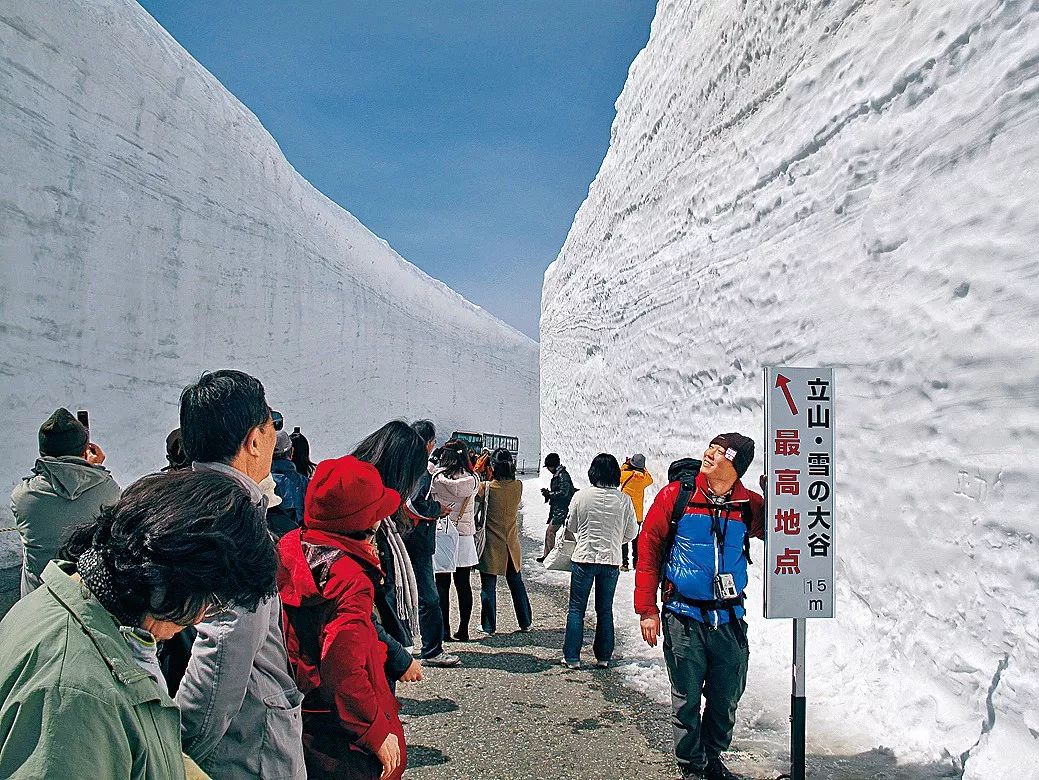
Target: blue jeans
(489, 599)
(582, 577)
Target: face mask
(267, 485)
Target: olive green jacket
(73, 701)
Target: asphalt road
(510, 712)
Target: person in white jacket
(602, 519)
(454, 485)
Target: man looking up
(240, 707)
(695, 541)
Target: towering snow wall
(849, 183)
(150, 228)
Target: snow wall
(849, 183)
(150, 228)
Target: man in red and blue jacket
(694, 549)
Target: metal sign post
(800, 545)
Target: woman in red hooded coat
(351, 727)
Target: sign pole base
(797, 738)
(798, 703)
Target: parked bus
(477, 442)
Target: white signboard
(799, 463)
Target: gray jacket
(62, 493)
(240, 708)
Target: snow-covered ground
(151, 228)
(847, 183)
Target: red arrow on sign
(782, 381)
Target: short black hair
(605, 471)
(217, 413)
(425, 429)
(176, 543)
(552, 460)
(502, 465)
(398, 454)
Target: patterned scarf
(96, 576)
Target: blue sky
(465, 134)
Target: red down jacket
(335, 654)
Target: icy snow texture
(150, 228)
(846, 183)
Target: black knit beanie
(62, 434)
(742, 446)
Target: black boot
(716, 770)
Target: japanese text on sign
(800, 471)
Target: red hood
(295, 580)
(296, 583)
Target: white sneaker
(443, 660)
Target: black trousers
(420, 546)
(464, 586)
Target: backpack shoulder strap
(746, 515)
(677, 513)
(682, 502)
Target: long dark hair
(503, 467)
(177, 542)
(399, 455)
(454, 460)
(301, 454)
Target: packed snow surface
(150, 228)
(849, 183)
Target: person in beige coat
(501, 553)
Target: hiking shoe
(526, 629)
(602, 664)
(716, 770)
(442, 660)
(460, 637)
(569, 664)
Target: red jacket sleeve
(652, 540)
(345, 659)
(757, 516)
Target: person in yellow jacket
(634, 481)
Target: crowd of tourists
(247, 613)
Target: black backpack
(683, 470)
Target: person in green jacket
(81, 691)
(68, 486)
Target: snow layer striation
(150, 228)
(848, 183)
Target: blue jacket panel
(290, 486)
(697, 556)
